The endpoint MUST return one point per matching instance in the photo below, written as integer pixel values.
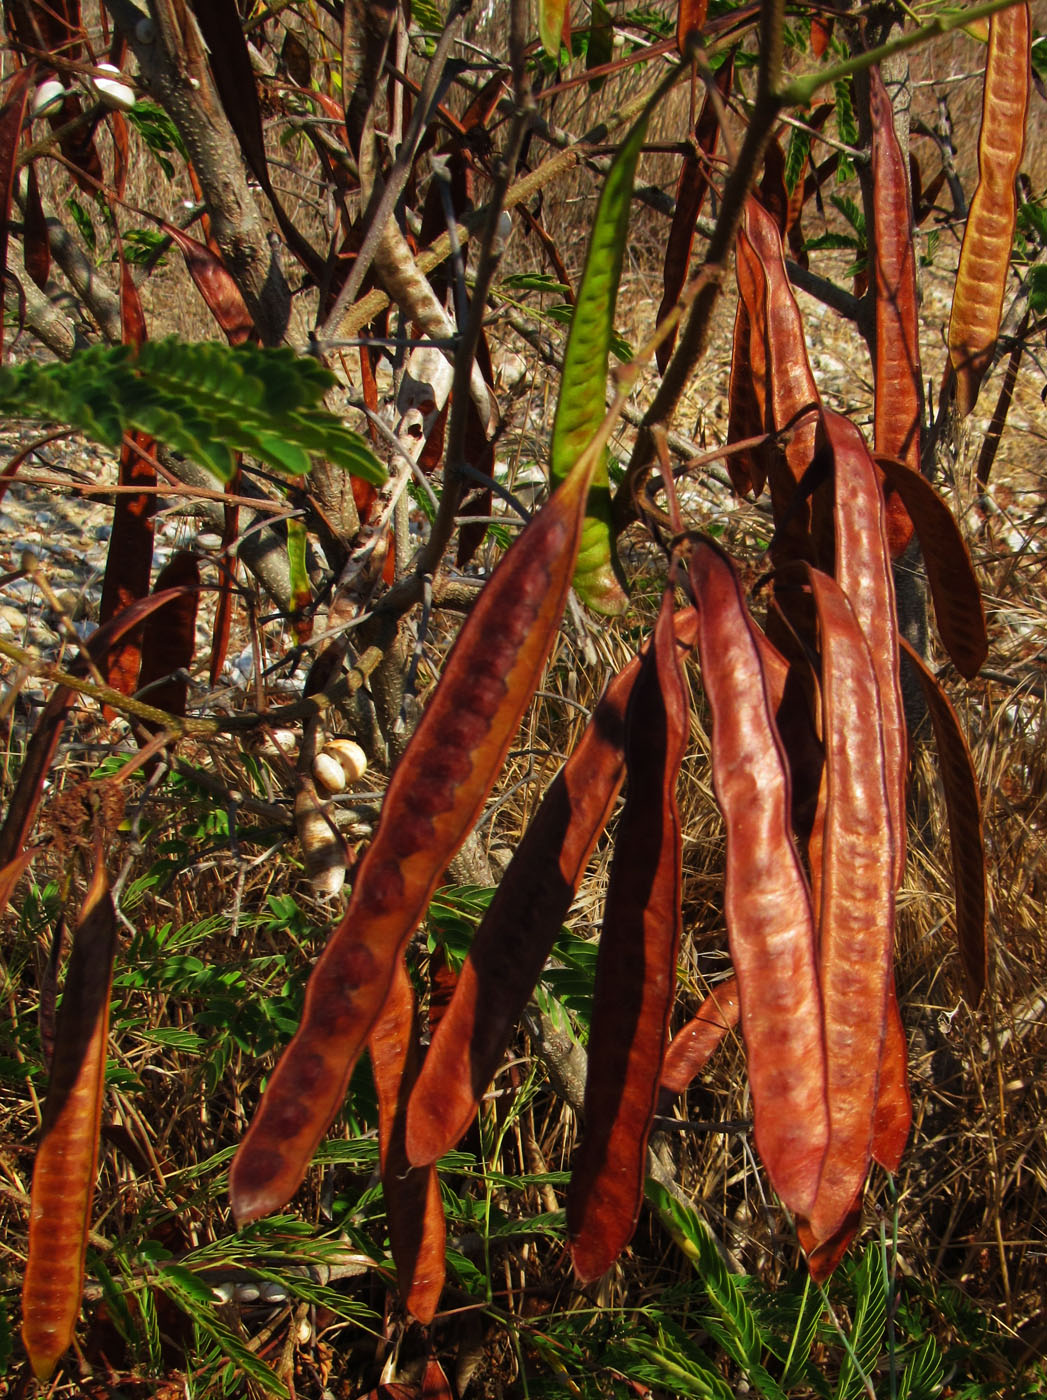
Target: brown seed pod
(434, 797)
(636, 966)
(67, 1157)
(770, 923)
(981, 277)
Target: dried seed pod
(520, 926)
(435, 795)
(770, 922)
(67, 1157)
(413, 1206)
(694, 1044)
(896, 429)
(636, 967)
(981, 277)
(856, 917)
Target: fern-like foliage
(205, 400)
(865, 1343)
(732, 1323)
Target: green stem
(800, 92)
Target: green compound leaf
(581, 406)
(207, 401)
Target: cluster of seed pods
(809, 763)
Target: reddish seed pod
(691, 189)
(636, 966)
(169, 636)
(770, 923)
(896, 430)
(893, 1102)
(66, 1159)
(518, 930)
(856, 916)
(863, 571)
(954, 585)
(520, 926)
(981, 277)
(412, 1195)
(694, 1044)
(434, 797)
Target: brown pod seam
(694, 1044)
(856, 917)
(413, 1206)
(770, 923)
(67, 1158)
(636, 966)
(435, 795)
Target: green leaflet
(206, 401)
(550, 25)
(581, 407)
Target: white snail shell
(47, 97)
(113, 91)
(329, 773)
(349, 755)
